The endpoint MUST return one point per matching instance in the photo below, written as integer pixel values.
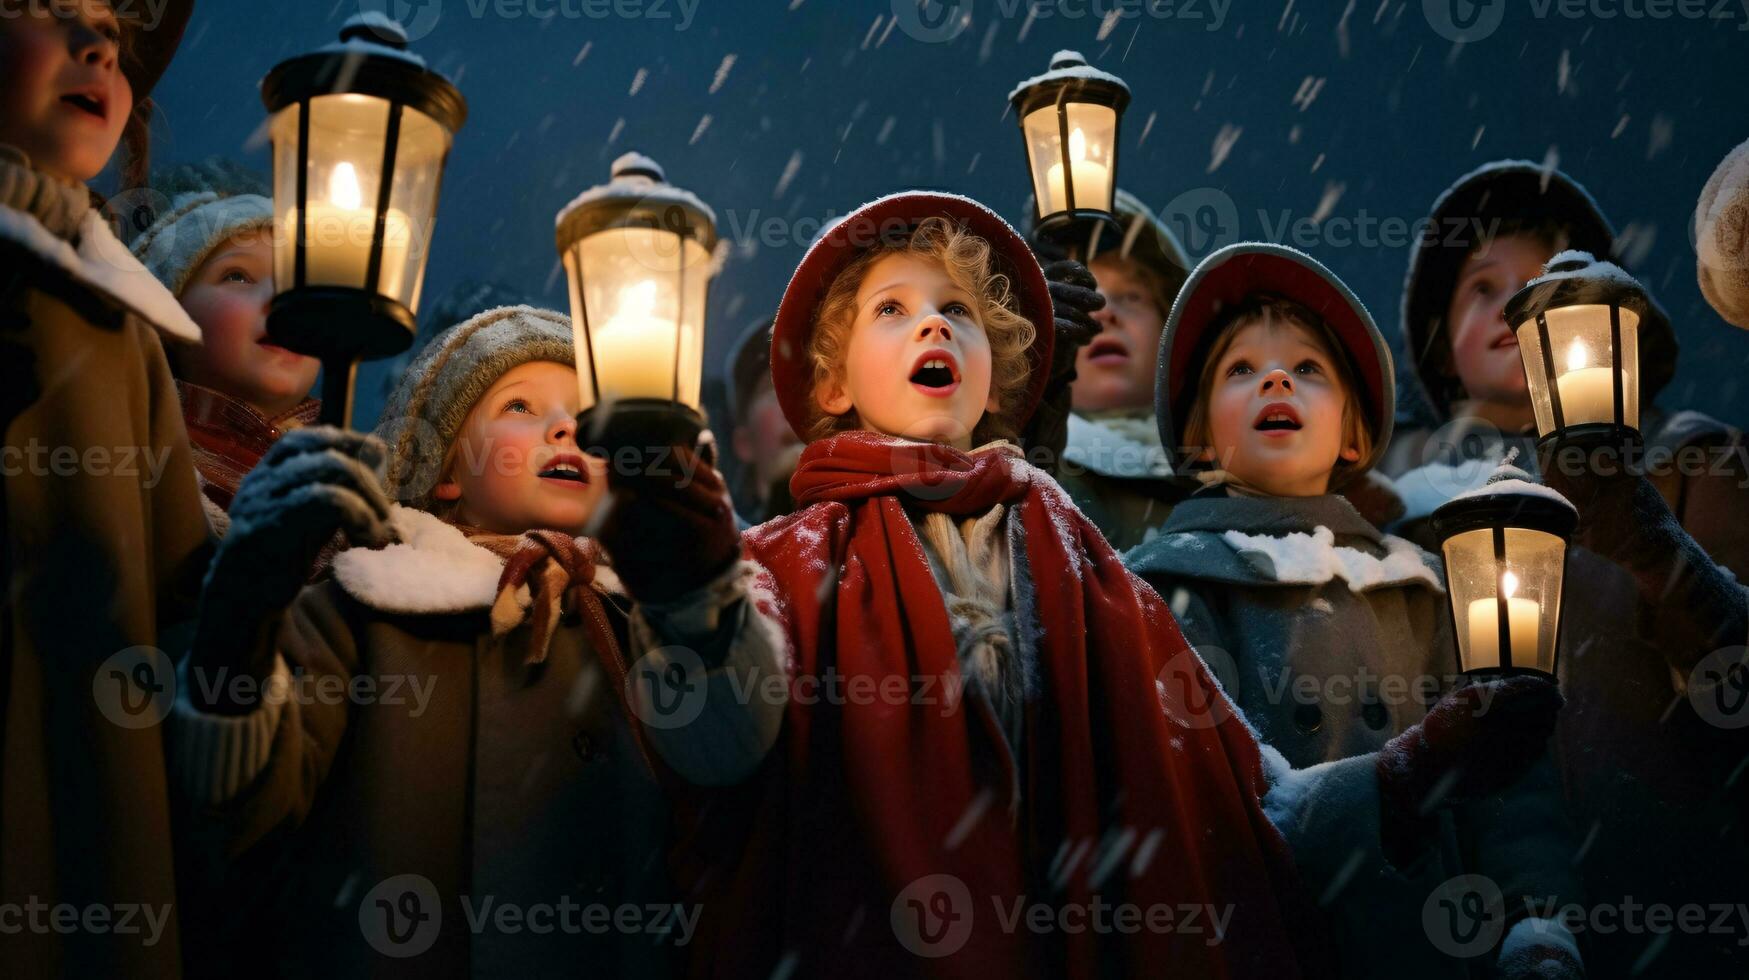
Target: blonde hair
(971, 264)
(1276, 312)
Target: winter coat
(1116, 471)
(465, 798)
(1648, 782)
(1333, 638)
(228, 438)
(105, 544)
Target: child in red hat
(932, 700)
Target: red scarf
(813, 857)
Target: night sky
(782, 113)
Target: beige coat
(105, 543)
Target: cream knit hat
(197, 223)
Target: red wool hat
(867, 227)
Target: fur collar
(434, 569)
(1118, 445)
(104, 264)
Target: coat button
(1308, 718)
(1375, 716)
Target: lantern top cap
(370, 58)
(1508, 499)
(1069, 66)
(374, 33)
(1574, 278)
(636, 182)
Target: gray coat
(1333, 638)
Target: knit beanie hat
(1721, 222)
(424, 413)
(176, 244)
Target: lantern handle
(374, 27)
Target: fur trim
(103, 263)
(1314, 559)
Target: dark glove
(1695, 607)
(1478, 740)
(668, 533)
(310, 484)
(1533, 956)
(1074, 299)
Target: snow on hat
(792, 374)
(174, 246)
(1721, 221)
(1505, 190)
(1225, 279)
(425, 412)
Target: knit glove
(668, 533)
(1539, 949)
(1695, 606)
(1478, 740)
(1074, 299)
(311, 483)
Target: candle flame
(1576, 357)
(343, 188)
(1077, 144)
(1508, 584)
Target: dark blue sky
(815, 106)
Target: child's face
(919, 363)
(1275, 411)
(1484, 350)
(765, 441)
(228, 296)
(63, 98)
(1116, 370)
(516, 465)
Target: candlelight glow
(343, 189)
(1077, 144)
(1576, 357)
(1509, 584)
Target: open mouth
(1509, 339)
(1105, 350)
(936, 373)
(566, 468)
(85, 103)
(1277, 417)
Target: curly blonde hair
(970, 263)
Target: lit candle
(634, 348)
(1524, 616)
(340, 232)
(1587, 393)
(1092, 178)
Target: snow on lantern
(1505, 547)
(1578, 328)
(638, 253)
(361, 130)
(1069, 124)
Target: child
(104, 539)
(1636, 758)
(1114, 467)
(239, 393)
(765, 447)
(1334, 639)
(478, 761)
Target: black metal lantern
(638, 253)
(1578, 328)
(361, 131)
(1505, 548)
(1069, 120)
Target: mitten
(670, 529)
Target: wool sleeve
(709, 678)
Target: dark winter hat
(748, 367)
(1225, 279)
(424, 413)
(1145, 239)
(867, 227)
(155, 41)
(1520, 192)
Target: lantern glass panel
(1581, 356)
(1529, 578)
(640, 293)
(1091, 149)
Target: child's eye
(957, 309)
(516, 405)
(889, 308)
(1308, 367)
(237, 275)
(1239, 368)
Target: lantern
(638, 254)
(361, 130)
(1578, 328)
(1505, 547)
(1069, 124)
